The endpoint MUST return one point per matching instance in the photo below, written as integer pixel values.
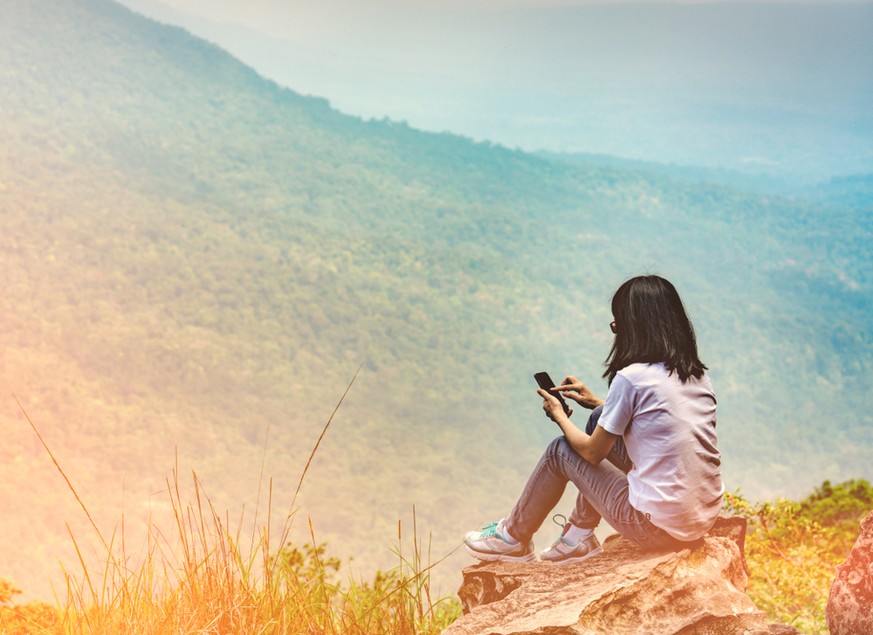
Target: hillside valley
(198, 261)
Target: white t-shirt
(669, 431)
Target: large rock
(694, 591)
(850, 604)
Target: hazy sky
(275, 15)
(278, 6)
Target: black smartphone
(545, 382)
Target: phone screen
(545, 382)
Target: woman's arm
(594, 447)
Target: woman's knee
(558, 446)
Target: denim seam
(569, 465)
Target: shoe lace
(561, 523)
(490, 529)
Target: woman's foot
(563, 551)
(493, 544)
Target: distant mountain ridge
(198, 261)
(768, 89)
(853, 190)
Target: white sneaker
(562, 551)
(490, 545)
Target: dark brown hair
(651, 326)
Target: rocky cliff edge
(698, 590)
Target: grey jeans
(603, 493)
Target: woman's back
(669, 431)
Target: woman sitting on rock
(660, 485)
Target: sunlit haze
(216, 213)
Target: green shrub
(792, 549)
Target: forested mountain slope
(197, 261)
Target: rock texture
(694, 591)
(850, 604)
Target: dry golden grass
(200, 577)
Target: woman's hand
(552, 407)
(578, 392)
